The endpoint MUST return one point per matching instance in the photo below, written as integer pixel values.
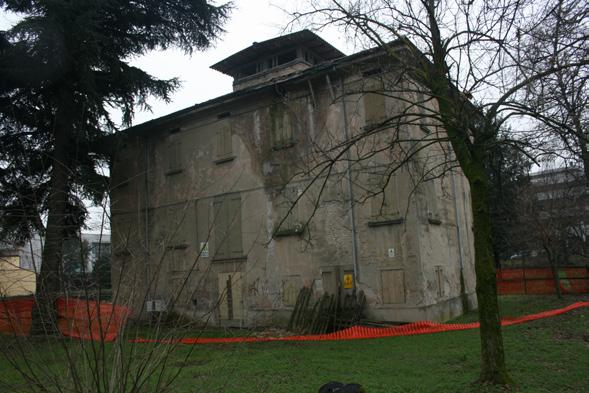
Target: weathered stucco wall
(227, 176)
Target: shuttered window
(203, 232)
(374, 100)
(227, 227)
(173, 158)
(287, 212)
(224, 141)
(434, 197)
(374, 108)
(385, 204)
(282, 127)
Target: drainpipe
(146, 215)
(350, 188)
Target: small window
(249, 70)
(286, 57)
(371, 72)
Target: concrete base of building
(438, 312)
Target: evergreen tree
(63, 67)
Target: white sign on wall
(204, 249)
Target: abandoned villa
(319, 170)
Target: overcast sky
(251, 20)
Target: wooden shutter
(391, 207)
(282, 126)
(220, 228)
(376, 201)
(234, 226)
(386, 202)
(287, 211)
(287, 125)
(224, 139)
(374, 107)
(433, 198)
(392, 286)
(290, 290)
(174, 156)
(202, 222)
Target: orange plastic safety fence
(538, 281)
(361, 332)
(78, 318)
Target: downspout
(350, 188)
(463, 296)
(146, 216)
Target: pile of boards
(328, 313)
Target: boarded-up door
(230, 292)
(330, 284)
(392, 286)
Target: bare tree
(552, 209)
(559, 101)
(463, 56)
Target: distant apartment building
(557, 217)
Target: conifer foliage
(63, 68)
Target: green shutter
(174, 156)
(234, 230)
(220, 225)
(224, 139)
(374, 107)
(202, 221)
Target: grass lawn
(549, 355)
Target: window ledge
(177, 247)
(296, 231)
(122, 253)
(383, 222)
(376, 124)
(223, 160)
(242, 258)
(173, 172)
(283, 146)
(425, 129)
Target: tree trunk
(554, 263)
(49, 280)
(493, 368)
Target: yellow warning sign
(348, 281)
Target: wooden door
(230, 293)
